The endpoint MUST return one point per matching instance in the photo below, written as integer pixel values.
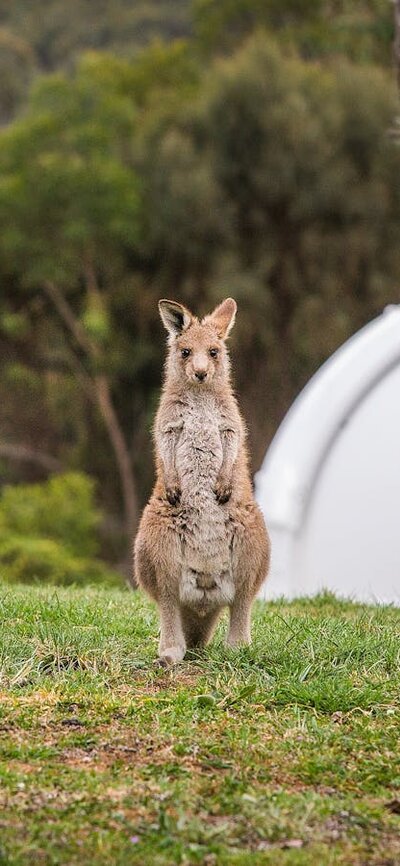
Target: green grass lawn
(283, 753)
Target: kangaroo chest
(199, 455)
(199, 452)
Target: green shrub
(29, 560)
(61, 508)
(48, 533)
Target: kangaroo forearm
(230, 449)
(167, 450)
(167, 453)
(167, 436)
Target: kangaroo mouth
(202, 383)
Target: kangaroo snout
(201, 375)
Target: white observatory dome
(329, 486)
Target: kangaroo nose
(200, 375)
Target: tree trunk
(122, 456)
(396, 44)
(101, 394)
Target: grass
(284, 753)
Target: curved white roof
(286, 482)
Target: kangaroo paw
(173, 494)
(223, 490)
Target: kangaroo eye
(185, 353)
(213, 353)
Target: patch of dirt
(393, 806)
(134, 753)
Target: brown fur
(202, 543)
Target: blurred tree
(48, 34)
(296, 211)
(69, 205)
(396, 46)
(226, 22)
(58, 31)
(17, 67)
(358, 29)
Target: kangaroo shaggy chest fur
(202, 543)
(206, 578)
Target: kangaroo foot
(170, 656)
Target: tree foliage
(362, 30)
(67, 190)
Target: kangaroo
(202, 544)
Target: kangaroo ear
(224, 317)
(176, 318)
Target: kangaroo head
(198, 354)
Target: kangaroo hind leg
(198, 630)
(251, 555)
(172, 645)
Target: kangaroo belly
(206, 575)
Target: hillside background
(165, 149)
